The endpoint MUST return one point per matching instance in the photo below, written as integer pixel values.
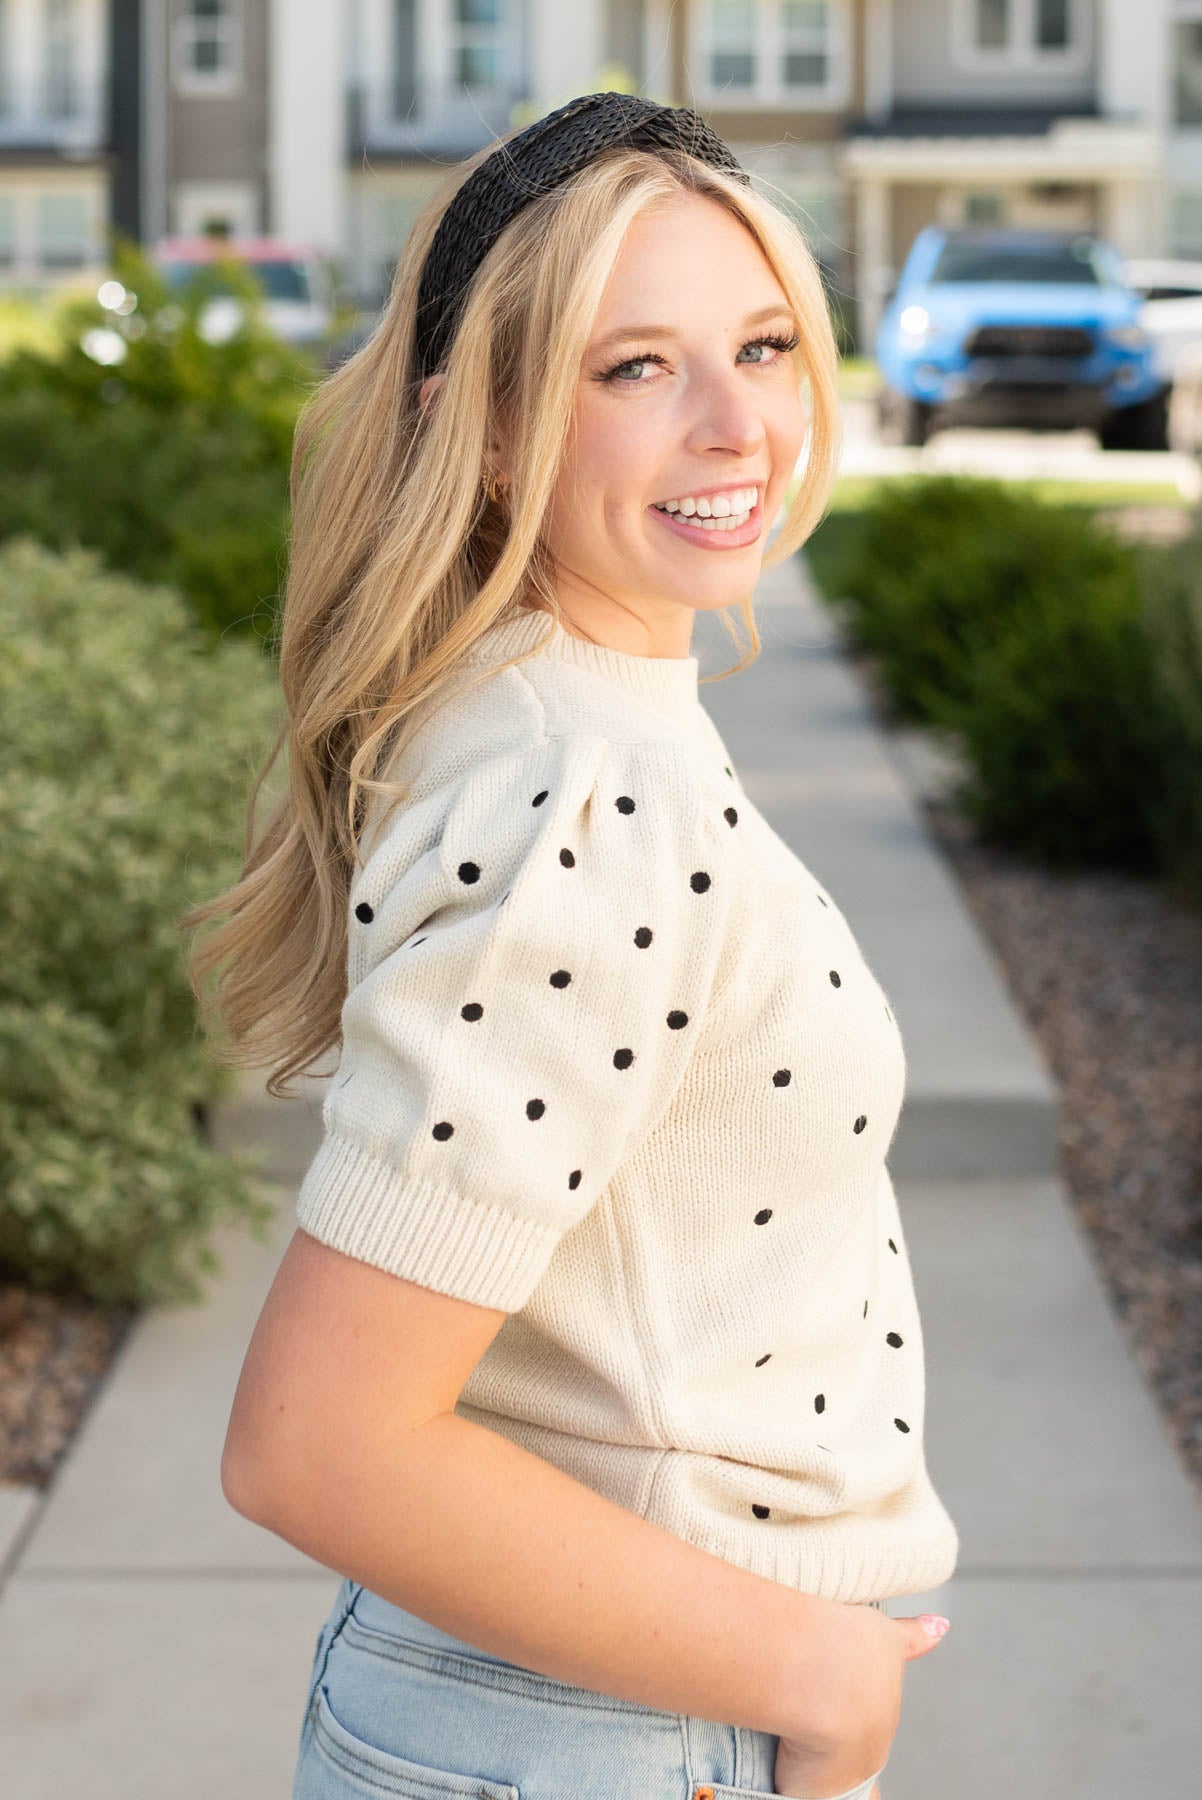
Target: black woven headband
(547, 153)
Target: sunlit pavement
(1010, 455)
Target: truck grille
(1029, 340)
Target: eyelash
(776, 342)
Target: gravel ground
(1108, 972)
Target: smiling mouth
(733, 532)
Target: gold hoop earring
(492, 487)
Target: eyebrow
(623, 333)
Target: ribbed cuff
(355, 1203)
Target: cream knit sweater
(613, 1062)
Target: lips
(702, 537)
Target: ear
(429, 389)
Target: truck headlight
(915, 322)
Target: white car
(1172, 309)
(298, 303)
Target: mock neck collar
(667, 683)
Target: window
(984, 206)
(62, 36)
(769, 52)
(1185, 222)
(805, 47)
(403, 59)
(1022, 33)
(963, 259)
(992, 25)
(732, 43)
(479, 30)
(207, 45)
(62, 230)
(1187, 72)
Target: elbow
(240, 1485)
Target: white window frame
(186, 78)
(771, 42)
(1022, 52)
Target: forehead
(687, 261)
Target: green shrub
(938, 570)
(1058, 720)
(125, 744)
(1171, 582)
(171, 461)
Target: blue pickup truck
(993, 325)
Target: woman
(594, 1365)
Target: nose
(728, 417)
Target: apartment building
(55, 152)
(330, 121)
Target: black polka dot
(763, 1216)
(574, 1179)
(860, 1123)
(676, 1019)
(835, 979)
(469, 872)
(821, 898)
(782, 1078)
(363, 911)
(901, 1424)
(699, 881)
(539, 798)
(623, 1059)
(819, 1402)
(567, 859)
(730, 815)
(560, 978)
(894, 1247)
(535, 1109)
(472, 1011)
(891, 1337)
(865, 1313)
(416, 942)
(504, 898)
(443, 1130)
(729, 770)
(761, 1360)
(642, 936)
(761, 1512)
(624, 803)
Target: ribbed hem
(664, 682)
(355, 1203)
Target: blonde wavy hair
(399, 559)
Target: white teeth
(721, 506)
(729, 524)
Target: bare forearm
(459, 1525)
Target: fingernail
(933, 1624)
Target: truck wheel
(1142, 427)
(915, 421)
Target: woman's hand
(856, 1682)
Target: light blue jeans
(398, 1708)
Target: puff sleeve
(529, 967)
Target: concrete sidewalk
(153, 1643)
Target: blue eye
(782, 344)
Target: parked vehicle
(298, 300)
(994, 325)
(1171, 291)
